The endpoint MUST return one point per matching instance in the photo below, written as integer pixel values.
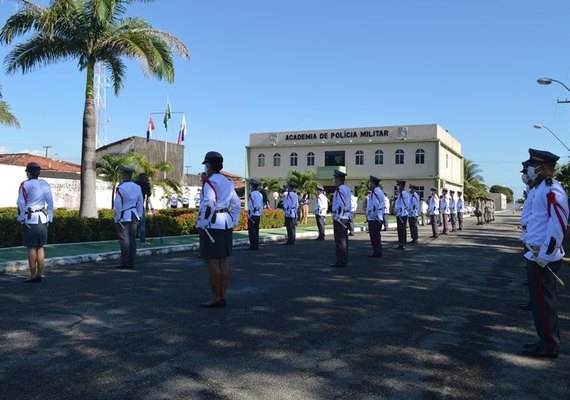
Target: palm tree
(362, 189)
(473, 185)
(169, 186)
(562, 175)
(6, 117)
(109, 166)
(89, 31)
(305, 180)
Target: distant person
(401, 204)
(386, 211)
(174, 201)
(35, 212)
(290, 205)
(353, 207)
(321, 207)
(128, 211)
(375, 215)
(460, 208)
(219, 212)
(254, 211)
(434, 202)
(423, 210)
(265, 196)
(144, 183)
(341, 218)
(186, 198)
(413, 213)
(304, 202)
(198, 196)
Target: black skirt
(222, 246)
(34, 235)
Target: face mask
(206, 168)
(525, 179)
(533, 172)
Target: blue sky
(261, 65)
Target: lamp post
(536, 126)
(548, 81)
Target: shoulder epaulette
(548, 181)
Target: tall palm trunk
(88, 204)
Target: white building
(424, 155)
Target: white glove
(541, 261)
(202, 224)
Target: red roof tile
(47, 164)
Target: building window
(261, 160)
(420, 156)
(399, 156)
(311, 158)
(379, 157)
(420, 190)
(276, 160)
(334, 158)
(293, 159)
(359, 158)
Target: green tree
(154, 172)
(89, 31)
(504, 190)
(362, 189)
(272, 184)
(473, 185)
(562, 175)
(305, 180)
(109, 166)
(6, 117)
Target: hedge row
(68, 227)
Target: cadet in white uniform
(35, 212)
(128, 206)
(545, 231)
(291, 206)
(413, 213)
(402, 204)
(342, 215)
(219, 212)
(433, 212)
(375, 215)
(452, 210)
(321, 207)
(444, 210)
(254, 210)
(460, 208)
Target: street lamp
(548, 81)
(536, 126)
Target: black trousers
(253, 231)
(433, 223)
(413, 222)
(543, 303)
(374, 229)
(320, 226)
(341, 241)
(402, 231)
(290, 224)
(460, 220)
(453, 218)
(127, 233)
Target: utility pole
(187, 169)
(47, 148)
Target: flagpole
(166, 134)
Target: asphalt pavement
(440, 320)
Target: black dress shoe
(35, 279)
(338, 266)
(536, 352)
(433, 236)
(221, 303)
(400, 247)
(414, 242)
(525, 307)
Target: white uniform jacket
(35, 202)
(548, 221)
(321, 205)
(444, 205)
(414, 206)
(452, 205)
(460, 205)
(402, 204)
(254, 203)
(375, 206)
(434, 205)
(220, 206)
(342, 203)
(128, 197)
(527, 210)
(291, 204)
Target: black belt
(222, 210)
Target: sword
(252, 220)
(560, 281)
(209, 235)
(342, 224)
